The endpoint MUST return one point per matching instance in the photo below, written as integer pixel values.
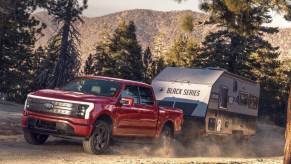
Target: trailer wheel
(98, 142)
(34, 138)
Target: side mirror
(127, 101)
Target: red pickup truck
(96, 109)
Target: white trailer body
(214, 101)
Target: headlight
(64, 105)
(27, 103)
(82, 110)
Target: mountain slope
(150, 24)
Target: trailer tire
(34, 138)
(98, 142)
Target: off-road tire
(98, 142)
(34, 138)
(167, 136)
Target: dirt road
(265, 147)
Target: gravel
(265, 147)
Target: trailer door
(223, 98)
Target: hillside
(150, 24)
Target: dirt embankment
(10, 114)
(265, 147)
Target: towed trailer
(214, 101)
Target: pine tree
(120, 55)
(284, 7)
(240, 48)
(153, 65)
(89, 65)
(160, 47)
(18, 29)
(187, 23)
(38, 57)
(239, 16)
(219, 51)
(103, 62)
(47, 65)
(126, 52)
(183, 51)
(66, 14)
(159, 65)
(148, 61)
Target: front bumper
(56, 125)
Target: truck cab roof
(117, 80)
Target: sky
(104, 7)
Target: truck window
(96, 87)
(223, 99)
(253, 102)
(131, 91)
(187, 108)
(146, 96)
(243, 98)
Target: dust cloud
(268, 142)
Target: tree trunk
(61, 72)
(235, 50)
(287, 158)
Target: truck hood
(73, 96)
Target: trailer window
(223, 100)
(234, 86)
(243, 98)
(253, 102)
(187, 108)
(166, 104)
(214, 96)
(226, 124)
(211, 124)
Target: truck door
(127, 116)
(148, 111)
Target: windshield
(92, 86)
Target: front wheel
(34, 138)
(98, 142)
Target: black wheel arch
(106, 118)
(170, 124)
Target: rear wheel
(98, 142)
(34, 138)
(166, 139)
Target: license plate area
(40, 124)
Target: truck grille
(40, 124)
(54, 107)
